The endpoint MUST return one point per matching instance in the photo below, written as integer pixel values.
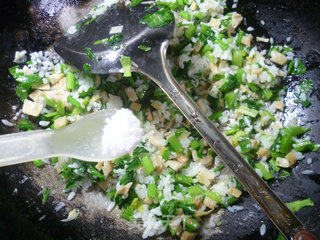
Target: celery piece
(74, 102)
(25, 125)
(147, 164)
(190, 224)
(266, 174)
(190, 31)
(297, 205)
(152, 191)
(71, 81)
(195, 190)
(247, 111)
(239, 38)
(126, 64)
(185, 180)
(214, 196)
(175, 144)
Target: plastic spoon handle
(24, 147)
(281, 216)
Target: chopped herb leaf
(45, 195)
(25, 125)
(158, 19)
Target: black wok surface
(31, 25)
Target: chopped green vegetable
(190, 224)
(185, 180)
(152, 191)
(135, 3)
(126, 64)
(45, 196)
(245, 144)
(74, 102)
(175, 144)
(38, 163)
(114, 39)
(297, 205)
(296, 67)
(89, 53)
(25, 125)
(214, 196)
(144, 48)
(306, 145)
(266, 174)
(147, 164)
(71, 81)
(195, 190)
(247, 111)
(302, 92)
(86, 67)
(219, 168)
(158, 19)
(185, 15)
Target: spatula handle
(24, 147)
(281, 216)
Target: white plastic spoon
(99, 136)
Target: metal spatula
(153, 64)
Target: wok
(33, 25)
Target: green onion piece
(237, 57)
(230, 99)
(266, 174)
(180, 131)
(166, 154)
(54, 160)
(306, 145)
(175, 144)
(25, 125)
(128, 214)
(144, 48)
(95, 175)
(215, 115)
(224, 46)
(195, 190)
(89, 53)
(273, 165)
(185, 180)
(233, 130)
(74, 102)
(214, 196)
(195, 144)
(45, 196)
(170, 5)
(247, 111)
(219, 168)
(71, 81)
(147, 164)
(126, 64)
(87, 67)
(297, 205)
(267, 94)
(205, 49)
(97, 42)
(158, 19)
(60, 108)
(190, 224)
(239, 38)
(188, 208)
(50, 102)
(38, 163)
(185, 15)
(190, 31)
(135, 3)
(245, 144)
(198, 15)
(152, 191)
(300, 69)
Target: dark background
(27, 25)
